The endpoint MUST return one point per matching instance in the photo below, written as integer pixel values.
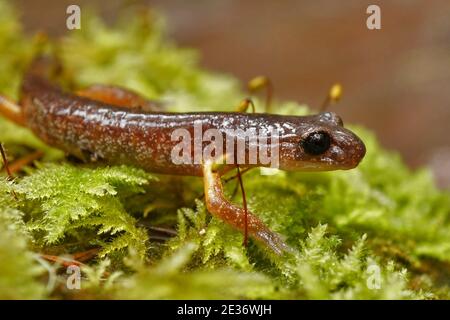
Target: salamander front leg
(234, 215)
(11, 111)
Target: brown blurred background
(396, 80)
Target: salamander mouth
(313, 166)
(353, 157)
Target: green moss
(379, 231)
(19, 268)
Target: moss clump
(377, 232)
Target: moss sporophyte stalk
(379, 231)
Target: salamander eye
(316, 143)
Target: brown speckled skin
(91, 129)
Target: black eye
(316, 143)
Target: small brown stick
(235, 176)
(65, 262)
(233, 194)
(8, 170)
(77, 258)
(159, 238)
(86, 255)
(163, 230)
(5, 162)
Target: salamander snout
(346, 150)
(323, 145)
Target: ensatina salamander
(121, 127)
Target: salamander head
(320, 143)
